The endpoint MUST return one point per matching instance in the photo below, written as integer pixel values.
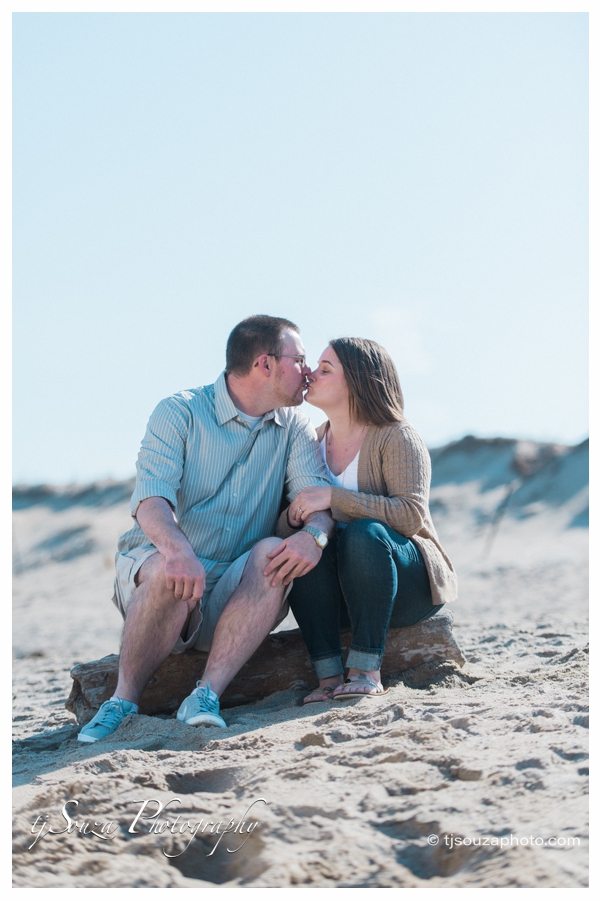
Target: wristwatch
(321, 539)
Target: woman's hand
(293, 515)
(310, 500)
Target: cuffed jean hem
(326, 668)
(366, 662)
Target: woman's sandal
(324, 694)
(341, 694)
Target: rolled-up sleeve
(305, 467)
(161, 458)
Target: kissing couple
(214, 562)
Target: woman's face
(327, 385)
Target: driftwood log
(281, 662)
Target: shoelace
(111, 714)
(202, 693)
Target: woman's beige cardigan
(394, 486)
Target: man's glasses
(300, 359)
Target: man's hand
(184, 572)
(294, 557)
(185, 575)
(309, 501)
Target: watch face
(321, 539)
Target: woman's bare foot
(325, 689)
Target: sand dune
(494, 753)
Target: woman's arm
(406, 471)
(284, 528)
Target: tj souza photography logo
(148, 818)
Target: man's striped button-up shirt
(224, 480)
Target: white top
(348, 478)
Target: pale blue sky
(419, 179)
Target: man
(200, 568)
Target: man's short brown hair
(252, 337)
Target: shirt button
(228, 528)
(234, 495)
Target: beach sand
(478, 780)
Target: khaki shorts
(221, 583)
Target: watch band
(321, 539)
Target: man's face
(290, 375)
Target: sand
(479, 780)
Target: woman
(384, 566)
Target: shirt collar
(225, 409)
(276, 415)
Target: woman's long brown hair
(375, 394)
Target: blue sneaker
(201, 707)
(107, 720)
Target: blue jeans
(369, 577)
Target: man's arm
(184, 572)
(299, 553)
(322, 520)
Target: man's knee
(151, 572)
(258, 555)
(256, 565)
(152, 578)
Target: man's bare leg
(153, 623)
(246, 620)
